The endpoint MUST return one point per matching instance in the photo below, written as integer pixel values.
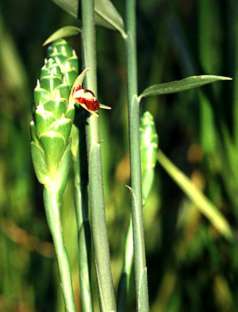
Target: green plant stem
(124, 283)
(52, 202)
(83, 230)
(96, 196)
(135, 162)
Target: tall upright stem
(52, 202)
(82, 228)
(96, 196)
(135, 162)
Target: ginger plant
(51, 145)
(141, 174)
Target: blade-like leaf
(196, 196)
(70, 6)
(181, 85)
(105, 13)
(108, 16)
(63, 32)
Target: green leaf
(181, 85)
(39, 163)
(105, 13)
(202, 203)
(70, 6)
(108, 16)
(63, 32)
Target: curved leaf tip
(66, 31)
(106, 13)
(108, 16)
(181, 85)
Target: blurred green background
(191, 267)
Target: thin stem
(83, 230)
(52, 207)
(96, 196)
(135, 162)
(124, 283)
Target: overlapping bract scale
(54, 114)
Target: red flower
(86, 98)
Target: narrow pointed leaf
(196, 196)
(63, 32)
(108, 16)
(181, 85)
(69, 6)
(105, 13)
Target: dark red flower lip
(86, 98)
(91, 104)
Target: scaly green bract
(54, 115)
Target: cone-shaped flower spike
(54, 115)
